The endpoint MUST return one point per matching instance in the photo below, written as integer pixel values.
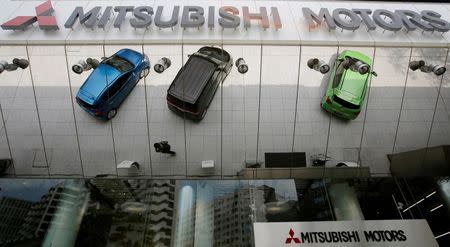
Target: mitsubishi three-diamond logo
(43, 17)
(292, 238)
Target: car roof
(131, 56)
(99, 80)
(192, 79)
(352, 85)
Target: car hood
(132, 56)
(99, 79)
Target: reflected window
(339, 72)
(345, 103)
(111, 92)
(119, 63)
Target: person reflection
(163, 147)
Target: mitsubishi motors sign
(407, 233)
(43, 17)
(229, 17)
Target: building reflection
(129, 213)
(32, 221)
(221, 213)
(111, 212)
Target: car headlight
(146, 59)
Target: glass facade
(274, 108)
(195, 154)
(113, 212)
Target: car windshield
(337, 78)
(119, 63)
(345, 103)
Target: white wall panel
(419, 102)
(240, 110)
(21, 116)
(54, 102)
(312, 124)
(279, 83)
(383, 107)
(163, 124)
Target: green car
(348, 84)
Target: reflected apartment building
(213, 213)
(147, 205)
(33, 219)
(13, 213)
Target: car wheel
(112, 113)
(144, 73)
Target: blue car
(111, 82)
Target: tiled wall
(272, 108)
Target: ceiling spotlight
(361, 67)
(318, 65)
(438, 69)
(414, 65)
(92, 62)
(241, 65)
(3, 65)
(81, 66)
(16, 63)
(356, 65)
(427, 68)
(21, 63)
(163, 64)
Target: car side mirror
(374, 73)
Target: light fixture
(361, 67)
(241, 65)
(437, 207)
(3, 65)
(356, 66)
(21, 63)
(163, 64)
(415, 65)
(16, 63)
(134, 207)
(318, 65)
(427, 68)
(128, 164)
(80, 67)
(93, 62)
(207, 164)
(83, 65)
(438, 69)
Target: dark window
(337, 77)
(344, 103)
(182, 104)
(119, 63)
(113, 89)
(84, 104)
